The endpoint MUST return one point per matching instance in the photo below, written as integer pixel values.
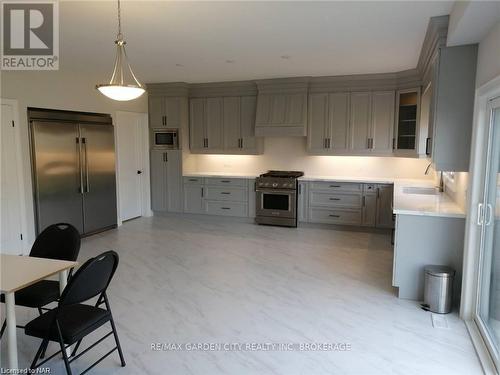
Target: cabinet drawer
(335, 200)
(226, 208)
(193, 180)
(336, 186)
(335, 216)
(233, 194)
(241, 182)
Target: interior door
(130, 170)
(488, 308)
(99, 177)
(11, 229)
(57, 178)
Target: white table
(18, 272)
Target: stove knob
(275, 184)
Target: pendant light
(117, 88)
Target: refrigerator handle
(87, 184)
(79, 145)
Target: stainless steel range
(276, 198)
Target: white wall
(290, 154)
(488, 63)
(56, 90)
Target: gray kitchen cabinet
(166, 181)
(206, 124)
(360, 122)
(281, 114)
(302, 202)
(385, 193)
(369, 210)
(214, 123)
(382, 122)
(193, 198)
(452, 108)
(328, 123)
(165, 112)
(239, 125)
(197, 120)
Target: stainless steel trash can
(438, 290)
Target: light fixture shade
(121, 93)
(123, 84)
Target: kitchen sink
(420, 190)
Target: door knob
(139, 172)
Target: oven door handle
(276, 191)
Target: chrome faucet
(441, 181)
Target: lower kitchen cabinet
(385, 195)
(348, 203)
(216, 196)
(166, 180)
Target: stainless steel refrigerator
(73, 166)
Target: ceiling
(224, 41)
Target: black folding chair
(72, 320)
(58, 241)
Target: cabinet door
(174, 181)
(384, 206)
(360, 120)
(278, 109)
(263, 109)
(232, 128)
(197, 119)
(214, 124)
(156, 111)
(339, 121)
(193, 199)
(369, 213)
(295, 107)
(318, 126)
(248, 142)
(382, 119)
(173, 112)
(158, 180)
(302, 202)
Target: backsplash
(290, 154)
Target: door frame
(143, 144)
(473, 232)
(20, 167)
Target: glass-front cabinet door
(407, 120)
(488, 218)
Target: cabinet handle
(489, 214)
(193, 179)
(226, 208)
(300, 189)
(202, 192)
(393, 143)
(225, 192)
(427, 143)
(166, 157)
(324, 143)
(334, 186)
(334, 199)
(225, 181)
(334, 215)
(378, 193)
(364, 201)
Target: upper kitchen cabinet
(165, 112)
(407, 120)
(205, 124)
(372, 122)
(239, 126)
(282, 107)
(449, 109)
(328, 123)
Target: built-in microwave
(165, 139)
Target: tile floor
(190, 281)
